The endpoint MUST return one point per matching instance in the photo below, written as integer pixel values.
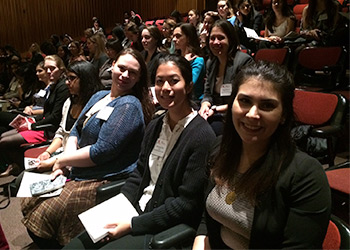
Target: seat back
(149, 22)
(159, 24)
(332, 239)
(314, 108)
(272, 55)
(298, 11)
(317, 58)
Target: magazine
(29, 178)
(21, 123)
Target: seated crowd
(199, 130)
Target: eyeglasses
(71, 78)
(275, 3)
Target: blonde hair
(99, 40)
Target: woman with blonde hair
(96, 46)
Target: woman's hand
(205, 110)
(59, 172)
(118, 230)
(44, 156)
(275, 39)
(312, 33)
(201, 242)
(28, 110)
(45, 165)
(239, 16)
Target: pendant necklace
(230, 197)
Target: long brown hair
(140, 89)
(264, 173)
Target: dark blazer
(232, 69)
(294, 214)
(178, 195)
(53, 107)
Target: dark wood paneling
(23, 22)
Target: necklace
(230, 197)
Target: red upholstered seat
(314, 108)
(339, 179)
(332, 239)
(272, 55)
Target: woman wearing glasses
(82, 84)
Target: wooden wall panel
(23, 22)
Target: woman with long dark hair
(187, 44)
(263, 192)
(222, 66)
(279, 21)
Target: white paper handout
(252, 34)
(117, 208)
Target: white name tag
(226, 89)
(323, 17)
(42, 93)
(104, 113)
(160, 148)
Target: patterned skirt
(57, 217)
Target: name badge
(104, 113)
(41, 93)
(13, 87)
(160, 148)
(226, 89)
(323, 17)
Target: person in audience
(13, 90)
(35, 55)
(76, 52)
(63, 52)
(194, 18)
(226, 11)
(209, 19)
(176, 16)
(10, 141)
(167, 31)
(97, 50)
(153, 47)
(187, 44)
(279, 22)
(118, 33)
(82, 84)
(248, 16)
(223, 64)
(322, 23)
(113, 47)
(40, 97)
(67, 39)
(135, 18)
(31, 85)
(263, 192)
(103, 145)
(166, 188)
(96, 27)
(132, 32)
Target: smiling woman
(264, 193)
(224, 63)
(167, 185)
